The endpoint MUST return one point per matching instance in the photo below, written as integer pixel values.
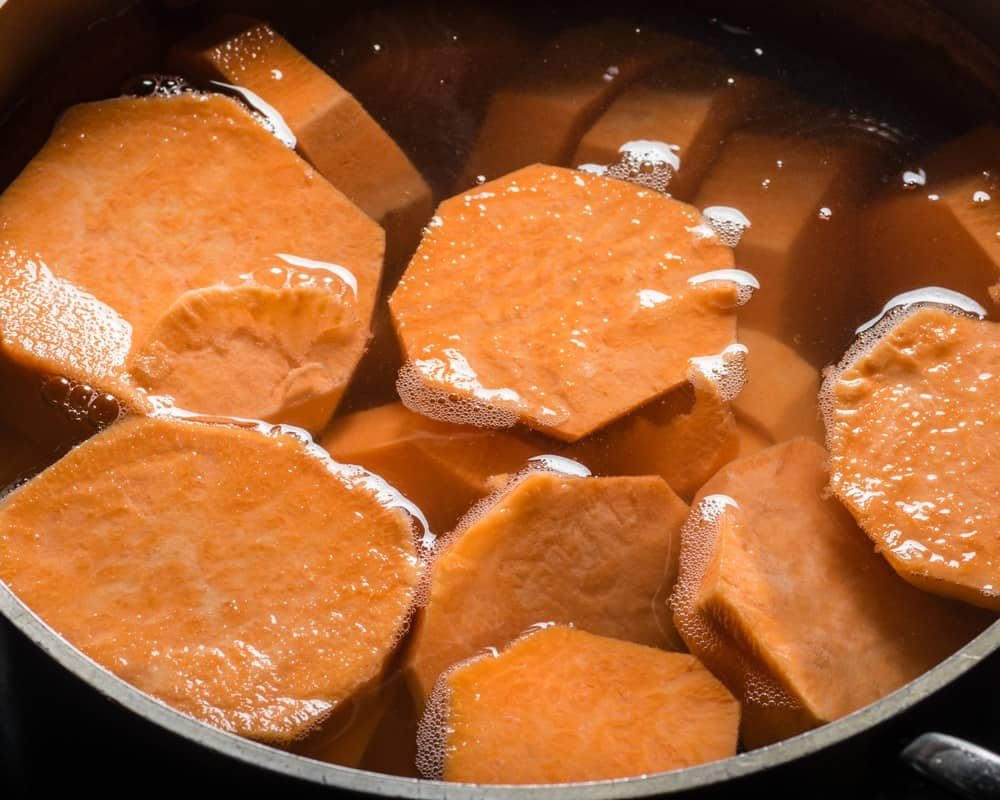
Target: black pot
(68, 724)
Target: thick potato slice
(562, 299)
(685, 438)
(783, 598)
(333, 132)
(563, 705)
(541, 114)
(441, 467)
(913, 431)
(781, 395)
(587, 551)
(691, 105)
(938, 226)
(801, 194)
(240, 577)
(135, 201)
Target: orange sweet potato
(563, 705)
(553, 548)
(692, 105)
(134, 202)
(761, 538)
(443, 468)
(913, 430)
(505, 306)
(238, 577)
(542, 113)
(335, 134)
(943, 230)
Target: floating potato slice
(441, 467)
(801, 194)
(239, 577)
(132, 203)
(560, 298)
(780, 397)
(782, 597)
(913, 428)
(563, 705)
(938, 227)
(691, 105)
(280, 355)
(334, 133)
(542, 113)
(685, 438)
(591, 552)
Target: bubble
(104, 409)
(155, 85)
(981, 197)
(264, 112)
(725, 372)
(913, 179)
(746, 282)
(439, 404)
(80, 402)
(55, 391)
(433, 730)
(480, 180)
(928, 295)
(728, 223)
(824, 214)
(646, 163)
(304, 273)
(611, 73)
(593, 169)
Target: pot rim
(376, 784)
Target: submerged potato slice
(561, 298)
(276, 354)
(443, 468)
(938, 226)
(587, 551)
(782, 597)
(238, 577)
(781, 394)
(135, 201)
(914, 432)
(690, 105)
(685, 438)
(563, 705)
(541, 114)
(335, 134)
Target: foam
(725, 372)
(726, 222)
(439, 404)
(746, 282)
(644, 162)
(155, 85)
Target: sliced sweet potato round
(781, 596)
(588, 551)
(563, 705)
(242, 578)
(913, 428)
(562, 299)
(276, 354)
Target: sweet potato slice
(913, 426)
(938, 226)
(553, 548)
(563, 705)
(277, 354)
(242, 578)
(685, 438)
(334, 133)
(135, 201)
(443, 468)
(781, 595)
(542, 113)
(691, 105)
(780, 397)
(561, 298)
(800, 194)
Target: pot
(64, 721)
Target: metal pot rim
(317, 772)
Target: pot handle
(961, 767)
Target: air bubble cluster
(154, 85)
(448, 406)
(746, 282)
(80, 402)
(725, 372)
(645, 163)
(433, 729)
(728, 223)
